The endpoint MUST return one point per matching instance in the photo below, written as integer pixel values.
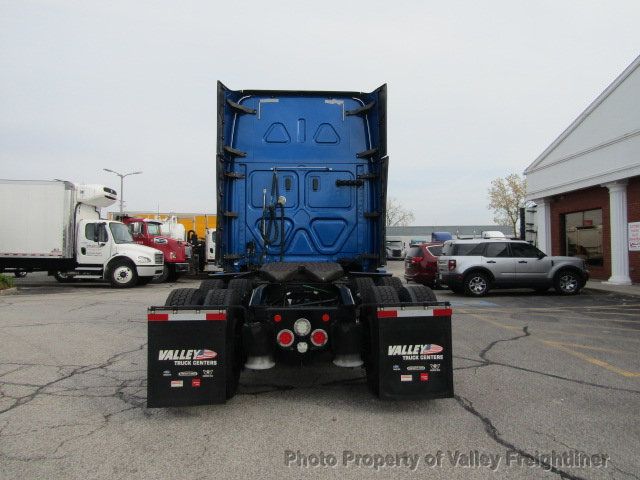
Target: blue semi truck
(301, 194)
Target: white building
(587, 184)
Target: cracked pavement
(533, 374)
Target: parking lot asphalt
(536, 375)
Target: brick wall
(592, 198)
(633, 213)
(587, 199)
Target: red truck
(147, 232)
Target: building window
(583, 236)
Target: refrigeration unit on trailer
(301, 186)
(55, 226)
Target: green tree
(506, 196)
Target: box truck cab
(395, 248)
(149, 232)
(55, 226)
(106, 249)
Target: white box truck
(55, 226)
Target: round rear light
(325, 317)
(319, 337)
(285, 338)
(302, 327)
(277, 318)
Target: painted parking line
(596, 349)
(563, 309)
(594, 361)
(587, 319)
(558, 333)
(534, 329)
(558, 346)
(636, 314)
(601, 327)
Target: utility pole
(121, 175)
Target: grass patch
(5, 282)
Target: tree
(397, 215)
(506, 196)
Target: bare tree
(397, 215)
(506, 196)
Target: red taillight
(325, 317)
(285, 338)
(319, 337)
(452, 265)
(417, 259)
(277, 318)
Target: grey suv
(476, 266)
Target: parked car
(421, 264)
(476, 266)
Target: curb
(9, 291)
(620, 291)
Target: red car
(421, 264)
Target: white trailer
(55, 226)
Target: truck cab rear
(301, 183)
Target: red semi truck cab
(147, 232)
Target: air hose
(269, 230)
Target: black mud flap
(186, 357)
(412, 352)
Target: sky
(477, 90)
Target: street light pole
(121, 175)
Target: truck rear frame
(301, 189)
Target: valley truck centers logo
(424, 351)
(189, 356)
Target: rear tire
(381, 296)
(567, 282)
(242, 285)
(476, 284)
(417, 294)
(123, 274)
(219, 297)
(210, 284)
(19, 273)
(184, 297)
(394, 282)
(360, 285)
